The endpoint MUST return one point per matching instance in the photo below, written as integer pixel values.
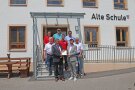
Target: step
(45, 76)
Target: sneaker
(70, 78)
(75, 79)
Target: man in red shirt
(46, 38)
(63, 43)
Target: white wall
(21, 15)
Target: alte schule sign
(113, 17)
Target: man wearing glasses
(58, 35)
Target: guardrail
(109, 54)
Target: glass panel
(118, 34)
(116, 5)
(115, 1)
(18, 2)
(123, 35)
(55, 2)
(89, 3)
(13, 46)
(121, 1)
(13, 35)
(21, 31)
(119, 5)
(94, 35)
(121, 44)
(87, 35)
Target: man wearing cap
(72, 51)
(58, 35)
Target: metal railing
(39, 60)
(109, 54)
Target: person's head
(57, 41)
(71, 41)
(77, 40)
(51, 40)
(49, 34)
(58, 31)
(70, 33)
(63, 36)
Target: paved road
(98, 81)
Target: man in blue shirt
(58, 35)
(69, 36)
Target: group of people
(61, 49)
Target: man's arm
(44, 55)
(81, 49)
(74, 51)
(44, 52)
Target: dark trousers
(58, 69)
(66, 63)
(50, 62)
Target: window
(18, 2)
(122, 36)
(91, 36)
(55, 2)
(120, 4)
(17, 37)
(89, 3)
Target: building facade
(106, 22)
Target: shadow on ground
(109, 73)
(88, 75)
(93, 74)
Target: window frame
(96, 6)
(97, 37)
(125, 5)
(55, 5)
(25, 39)
(10, 4)
(126, 42)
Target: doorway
(53, 30)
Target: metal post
(68, 24)
(57, 22)
(130, 54)
(114, 54)
(34, 47)
(79, 28)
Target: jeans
(47, 62)
(80, 65)
(50, 62)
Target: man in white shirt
(48, 54)
(79, 56)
